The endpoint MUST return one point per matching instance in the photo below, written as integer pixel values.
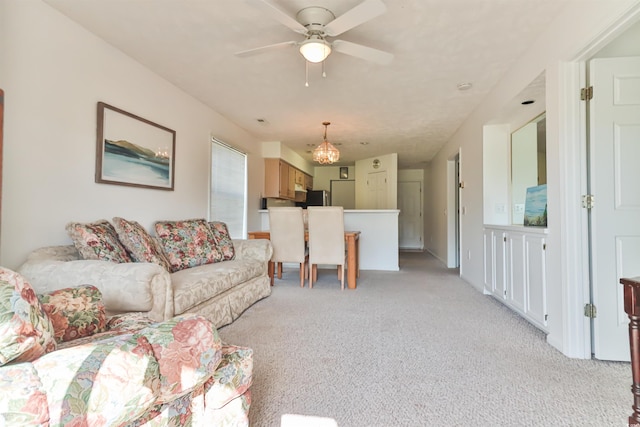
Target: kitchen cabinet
(515, 270)
(281, 179)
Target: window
(228, 188)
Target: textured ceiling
(411, 106)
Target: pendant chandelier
(326, 153)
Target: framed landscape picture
(133, 151)
(535, 206)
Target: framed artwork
(133, 151)
(535, 206)
(344, 172)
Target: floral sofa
(190, 266)
(63, 362)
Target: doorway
(410, 234)
(454, 187)
(577, 339)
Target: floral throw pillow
(98, 241)
(188, 243)
(75, 312)
(141, 245)
(26, 333)
(223, 239)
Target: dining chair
(326, 240)
(286, 229)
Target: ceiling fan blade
(362, 52)
(360, 14)
(267, 48)
(279, 15)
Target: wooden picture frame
(344, 172)
(133, 151)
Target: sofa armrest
(125, 287)
(188, 350)
(106, 382)
(255, 249)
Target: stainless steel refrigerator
(318, 198)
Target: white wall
(53, 73)
(387, 163)
(276, 149)
(563, 41)
(495, 158)
(323, 175)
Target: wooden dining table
(352, 240)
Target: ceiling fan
(316, 24)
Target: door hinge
(544, 246)
(588, 201)
(586, 93)
(590, 311)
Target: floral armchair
(63, 362)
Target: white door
(614, 138)
(377, 189)
(410, 218)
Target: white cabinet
(516, 262)
(536, 279)
(515, 270)
(494, 258)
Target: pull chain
(306, 73)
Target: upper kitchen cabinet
(283, 181)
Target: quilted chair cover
(124, 371)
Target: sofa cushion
(141, 245)
(223, 239)
(195, 285)
(97, 240)
(188, 243)
(26, 332)
(75, 312)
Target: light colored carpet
(418, 347)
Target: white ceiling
(411, 106)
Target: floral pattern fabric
(75, 312)
(137, 372)
(26, 332)
(223, 239)
(97, 241)
(26, 401)
(141, 245)
(187, 348)
(188, 243)
(105, 383)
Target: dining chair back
(286, 228)
(326, 239)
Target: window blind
(228, 187)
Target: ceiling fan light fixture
(326, 153)
(315, 49)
